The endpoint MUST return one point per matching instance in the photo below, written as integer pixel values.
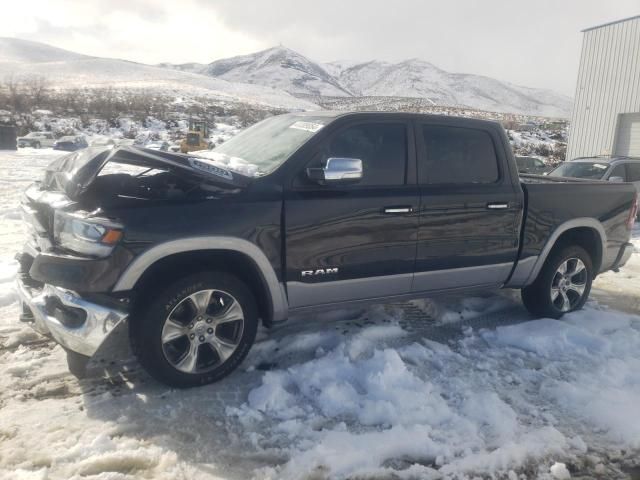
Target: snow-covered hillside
(418, 78)
(283, 68)
(277, 67)
(276, 76)
(65, 70)
(26, 51)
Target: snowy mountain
(64, 70)
(279, 77)
(418, 78)
(26, 51)
(277, 67)
(288, 70)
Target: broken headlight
(80, 233)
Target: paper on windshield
(308, 126)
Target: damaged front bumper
(47, 282)
(72, 321)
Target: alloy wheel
(568, 284)
(202, 331)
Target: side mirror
(338, 170)
(616, 179)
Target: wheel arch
(232, 255)
(587, 233)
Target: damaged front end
(76, 247)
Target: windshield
(592, 170)
(262, 148)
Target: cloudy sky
(534, 43)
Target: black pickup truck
(300, 212)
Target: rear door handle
(497, 205)
(398, 210)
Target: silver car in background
(37, 140)
(612, 169)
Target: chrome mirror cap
(337, 170)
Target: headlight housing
(81, 233)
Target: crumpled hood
(74, 173)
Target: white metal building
(606, 112)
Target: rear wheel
(563, 284)
(196, 331)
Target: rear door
(356, 241)
(470, 209)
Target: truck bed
(550, 202)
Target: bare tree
(105, 103)
(16, 97)
(71, 100)
(37, 87)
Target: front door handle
(398, 210)
(497, 205)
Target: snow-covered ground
(453, 388)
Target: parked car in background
(612, 169)
(101, 141)
(37, 140)
(531, 165)
(71, 143)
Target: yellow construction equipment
(197, 138)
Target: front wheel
(196, 331)
(563, 284)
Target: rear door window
(456, 155)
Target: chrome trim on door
(303, 295)
(309, 294)
(398, 210)
(497, 206)
(461, 277)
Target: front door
(470, 211)
(355, 241)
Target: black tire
(537, 297)
(149, 323)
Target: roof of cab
(335, 114)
